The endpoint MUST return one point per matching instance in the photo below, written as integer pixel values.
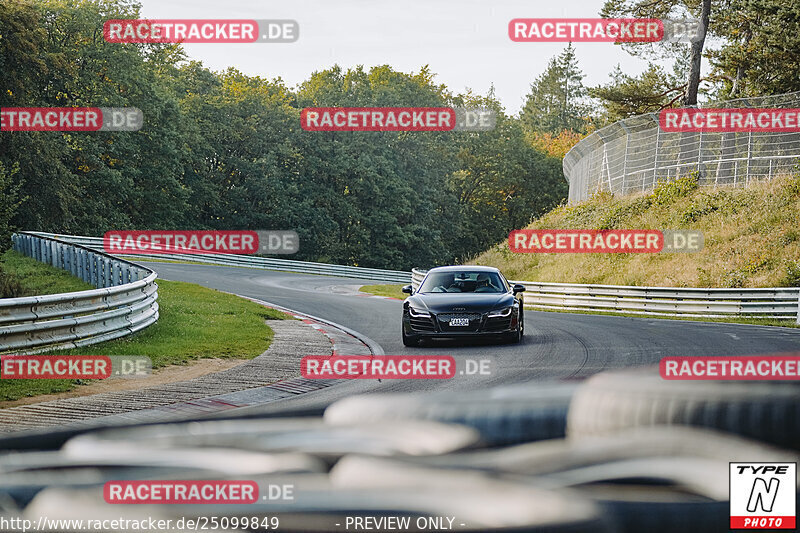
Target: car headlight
(418, 313)
(506, 311)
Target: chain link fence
(632, 155)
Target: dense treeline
(223, 150)
(755, 53)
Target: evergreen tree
(557, 100)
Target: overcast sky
(465, 42)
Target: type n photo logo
(763, 495)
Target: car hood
(464, 302)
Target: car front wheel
(410, 340)
(516, 335)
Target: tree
(557, 100)
(761, 52)
(651, 91)
(666, 9)
(224, 150)
(9, 203)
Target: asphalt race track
(555, 346)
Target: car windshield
(464, 281)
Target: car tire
(515, 337)
(610, 401)
(410, 340)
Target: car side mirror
(518, 287)
(408, 289)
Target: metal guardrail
(123, 303)
(252, 261)
(776, 303)
(632, 155)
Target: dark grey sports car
(457, 301)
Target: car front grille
(444, 321)
(445, 317)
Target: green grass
(751, 238)
(32, 278)
(195, 322)
(392, 291)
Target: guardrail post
(69, 257)
(107, 272)
(88, 266)
(84, 266)
(77, 267)
(95, 271)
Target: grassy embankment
(392, 291)
(752, 239)
(195, 323)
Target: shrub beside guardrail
(123, 303)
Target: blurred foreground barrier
(123, 303)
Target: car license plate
(459, 321)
